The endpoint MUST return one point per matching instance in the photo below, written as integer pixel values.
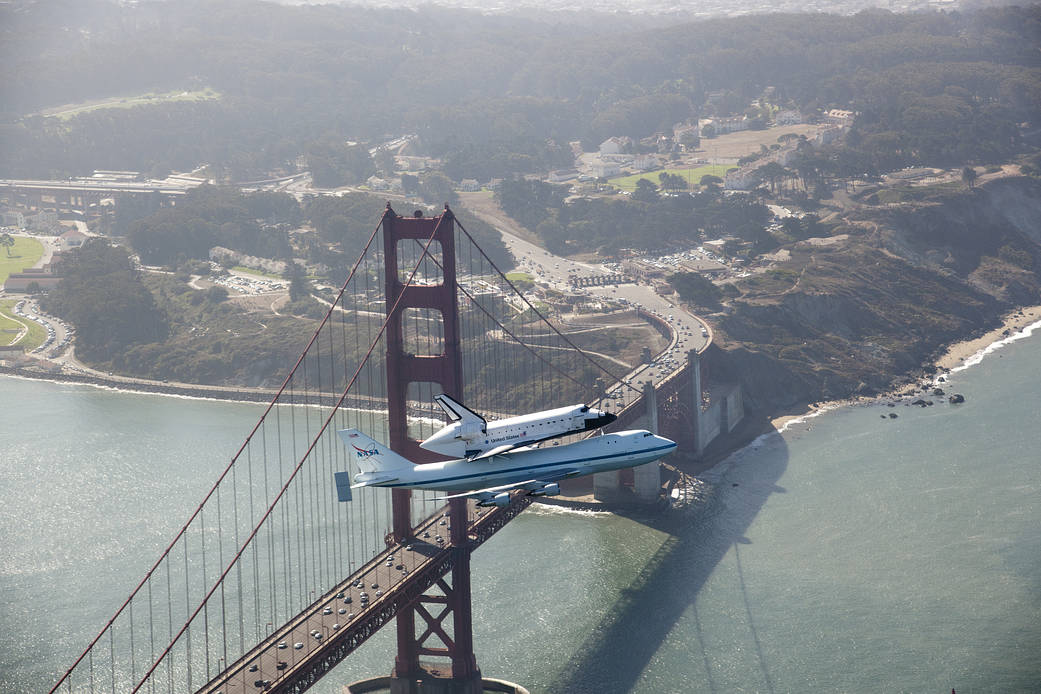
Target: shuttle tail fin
(457, 411)
(371, 455)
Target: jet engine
(547, 490)
(501, 499)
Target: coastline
(142, 387)
(1016, 323)
(959, 355)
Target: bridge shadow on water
(619, 649)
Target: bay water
(852, 552)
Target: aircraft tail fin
(456, 411)
(371, 455)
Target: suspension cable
(539, 313)
(224, 473)
(303, 458)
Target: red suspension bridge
(271, 582)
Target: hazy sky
(677, 7)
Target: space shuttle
(470, 436)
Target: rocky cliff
(859, 314)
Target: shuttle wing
(497, 450)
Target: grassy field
(25, 253)
(71, 110)
(9, 328)
(257, 273)
(692, 176)
(37, 333)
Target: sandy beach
(1013, 322)
(955, 356)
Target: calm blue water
(850, 553)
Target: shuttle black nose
(605, 419)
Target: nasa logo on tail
(362, 453)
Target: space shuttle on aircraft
(535, 471)
(469, 435)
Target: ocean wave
(995, 346)
(803, 419)
(560, 510)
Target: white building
(615, 145)
(722, 126)
(645, 162)
(12, 218)
(839, 116)
(788, 117)
(377, 183)
(45, 220)
(72, 239)
(561, 175)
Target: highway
(688, 331)
(80, 185)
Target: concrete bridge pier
(606, 485)
(647, 478)
(694, 359)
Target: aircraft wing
(527, 485)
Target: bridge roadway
(400, 575)
(87, 186)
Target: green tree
(969, 176)
(645, 191)
(335, 163)
(216, 294)
(102, 295)
(672, 182)
(437, 189)
(299, 287)
(385, 162)
(7, 241)
(552, 234)
(409, 184)
(773, 172)
(710, 181)
(696, 289)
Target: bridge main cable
(303, 459)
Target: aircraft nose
(605, 418)
(665, 442)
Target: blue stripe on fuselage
(488, 473)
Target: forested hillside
(875, 306)
(493, 95)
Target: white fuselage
(469, 438)
(596, 454)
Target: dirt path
(484, 207)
